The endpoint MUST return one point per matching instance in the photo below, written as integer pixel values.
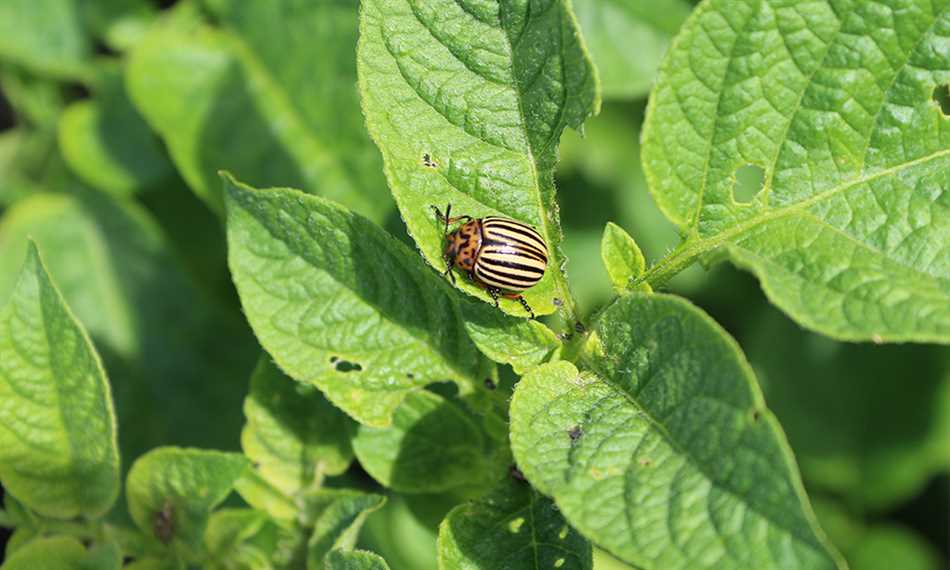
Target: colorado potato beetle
(502, 255)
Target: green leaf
(513, 527)
(251, 96)
(520, 343)
(172, 491)
(622, 258)
(485, 90)
(355, 560)
(293, 434)
(431, 447)
(341, 304)
(120, 23)
(58, 450)
(107, 143)
(55, 553)
(889, 546)
(666, 456)
(830, 397)
(263, 495)
(399, 536)
(45, 36)
(241, 538)
(117, 272)
(337, 515)
(627, 40)
(834, 105)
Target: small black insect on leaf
(163, 523)
(575, 433)
(428, 162)
(490, 384)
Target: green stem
(685, 254)
(6, 521)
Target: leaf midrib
(557, 260)
(694, 246)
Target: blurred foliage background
(109, 161)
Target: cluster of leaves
(634, 435)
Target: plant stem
(6, 521)
(685, 254)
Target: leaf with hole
(665, 454)
(849, 231)
(467, 102)
(58, 450)
(339, 303)
(512, 527)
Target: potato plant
(226, 340)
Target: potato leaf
(293, 435)
(58, 450)
(172, 491)
(513, 527)
(269, 94)
(665, 455)
(834, 103)
(627, 40)
(622, 258)
(467, 102)
(339, 303)
(431, 447)
(355, 560)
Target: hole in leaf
(347, 366)
(749, 180)
(447, 390)
(941, 97)
(515, 525)
(490, 384)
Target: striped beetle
(500, 254)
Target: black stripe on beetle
(502, 255)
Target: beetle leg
(448, 270)
(494, 291)
(526, 306)
(520, 298)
